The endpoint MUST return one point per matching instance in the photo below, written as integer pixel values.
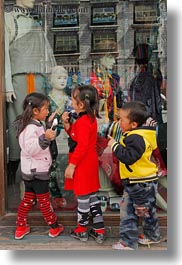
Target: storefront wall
(81, 35)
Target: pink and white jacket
(35, 152)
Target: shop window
(104, 42)
(103, 15)
(66, 44)
(145, 14)
(65, 17)
(93, 41)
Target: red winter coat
(84, 156)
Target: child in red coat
(82, 174)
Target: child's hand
(111, 141)
(69, 172)
(52, 116)
(50, 134)
(65, 117)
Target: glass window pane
(103, 43)
(103, 16)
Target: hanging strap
(30, 83)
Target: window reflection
(95, 42)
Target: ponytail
(89, 96)
(31, 101)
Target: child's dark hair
(89, 96)
(31, 101)
(137, 112)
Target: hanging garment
(144, 88)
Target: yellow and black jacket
(134, 154)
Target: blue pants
(139, 194)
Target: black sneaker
(82, 236)
(99, 238)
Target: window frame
(145, 19)
(105, 22)
(71, 35)
(66, 12)
(97, 33)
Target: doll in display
(59, 102)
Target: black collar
(82, 113)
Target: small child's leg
(24, 207)
(46, 208)
(49, 214)
(98, 231)
(23, 228)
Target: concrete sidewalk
(38, 239)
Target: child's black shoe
(82, 236)
(99, 238)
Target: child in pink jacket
(34, 141)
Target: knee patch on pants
(141, 211)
